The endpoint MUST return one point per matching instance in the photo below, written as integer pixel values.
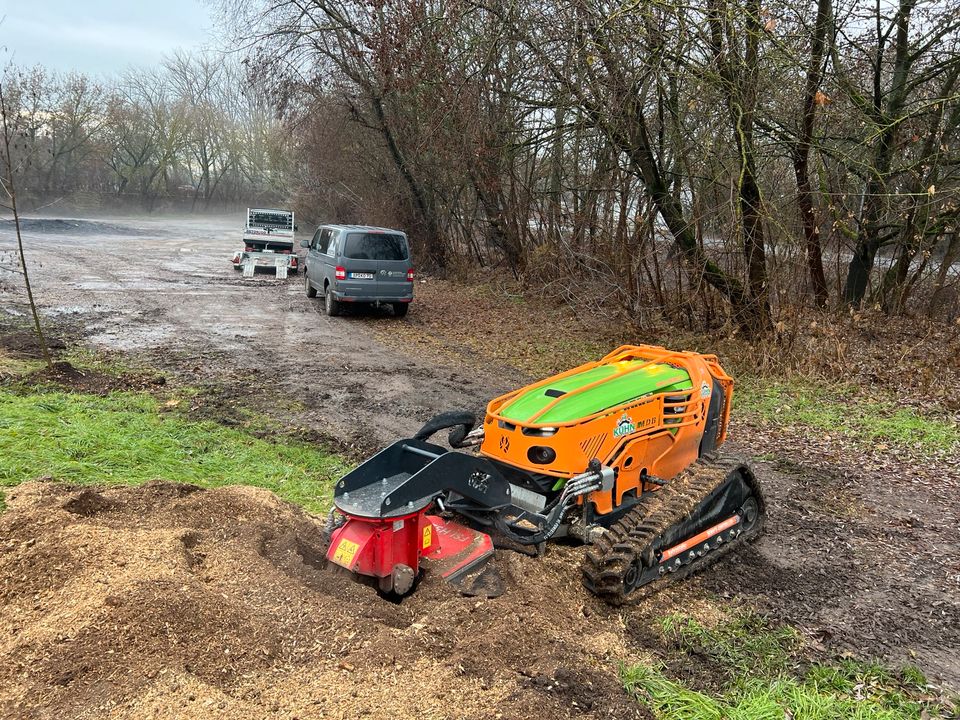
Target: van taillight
(340, 273)
(410, 275)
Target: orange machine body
(649, 433)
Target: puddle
(121, 338)
(62, 310)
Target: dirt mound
(171, 601)
(92, 381)
(23, 344)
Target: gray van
(359, 264)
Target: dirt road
(859, 555)
(165, 290)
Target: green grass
(743, 644)
(837, 409)
(14, 367)
(102, 362)
(125, 438)
(823, 693)
(769, 680)
(17, 369)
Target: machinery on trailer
(621, 454)
(267, 243)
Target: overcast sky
(100, 36)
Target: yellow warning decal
(427, 536)
(345, 552)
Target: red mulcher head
(392, 551)
(388, 533)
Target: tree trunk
(633, 139)
(950, 255)
(868, 240)
(801, 159)
(739, 89)
(432, 238)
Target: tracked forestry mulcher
(619, 454)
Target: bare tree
(9, 116)
(812, 96)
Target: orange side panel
(665, 438)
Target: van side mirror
(304, 243)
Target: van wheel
(400, 309)
(311, 290)
(330, 303)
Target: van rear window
(375, 246)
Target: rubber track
(634, 535)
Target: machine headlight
(541, 455)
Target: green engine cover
(655, 378)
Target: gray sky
(100, 36)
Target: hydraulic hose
(576, 486)
(460, 421)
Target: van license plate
(362, 276)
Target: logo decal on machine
(704, 390)
(625, 426)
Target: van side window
(332, 249)
(324, 242)
(315, 240)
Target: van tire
(311, 290)
(400, 309)
(330, 304)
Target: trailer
(268, 242)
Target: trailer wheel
(311, 290)
(330, 303)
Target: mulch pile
(169, 601)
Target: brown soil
(23, 344)
(861, 559)
(168, 601)
(86, 380)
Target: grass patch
(99, 361)
(768, 679)
(837, 409)
(14, 367)
(124, 438)
(823, 693)
(743, 644)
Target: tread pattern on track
(635, 535)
